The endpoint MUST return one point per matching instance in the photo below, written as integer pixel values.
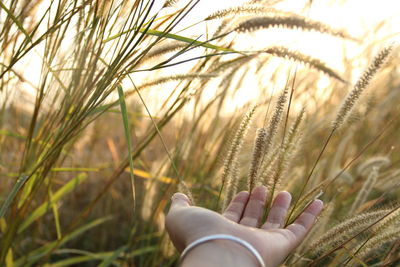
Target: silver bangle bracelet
(240, 241)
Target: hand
(242, 218)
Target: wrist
(219, 253)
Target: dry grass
(66, 164)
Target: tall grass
(85, 146)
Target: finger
(278, 211)
(179, 200)
(235, 209)
(255, 207)
(304, 222)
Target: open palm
(242, 218)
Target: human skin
(186, 223)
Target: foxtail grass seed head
(285, 158)
(344, 176)
(242, 10)
(377, 162)
(295, 129)
(258, 150)
(291, 21)
(268, 167)
(178, 77)
(285, 154)
(360, 86)
(315, 63)
(171, 3)
(365, 190)
(274, 166)
(277, 170)
(231, 185)
(276, 119)
(390, 220)
(339, 233)
(266, 164)
(294, 137)
(166, 48)
(375, 243)
(235, 147)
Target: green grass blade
(158, 132)
(109, 260)
(55, 214)
(35, 255)
(42, 209)
(11, 134)
(186, 40)
(88, 256)
(174, 37)
(73, 261)
(83, 256)
(18, 185)
(103, 108)
(125, 120)
(26, 190)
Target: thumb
(179, 200)
(175, 221)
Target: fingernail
(179, 196)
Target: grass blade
(88, 256)
(16, 21)
(108, 260)
(35, 255)
(125, 121)
(41, 210)
(175, 37)
(18, 185)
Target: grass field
(109, 107)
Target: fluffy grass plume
(289, 143)
(373, 245)
(284, 156)
(295, 130)
(360, 86)
(160, 50)
(177, 77)
(232, 156)
(171, 3)
(259, 145)
(232, 186)
(242, 10)
(276, 118)
(288, 21)
(376, 162)
(339, 233)
(315, 63)
(388, 221)
(365, 190)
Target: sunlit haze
(373, 23)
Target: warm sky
(358, 17)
